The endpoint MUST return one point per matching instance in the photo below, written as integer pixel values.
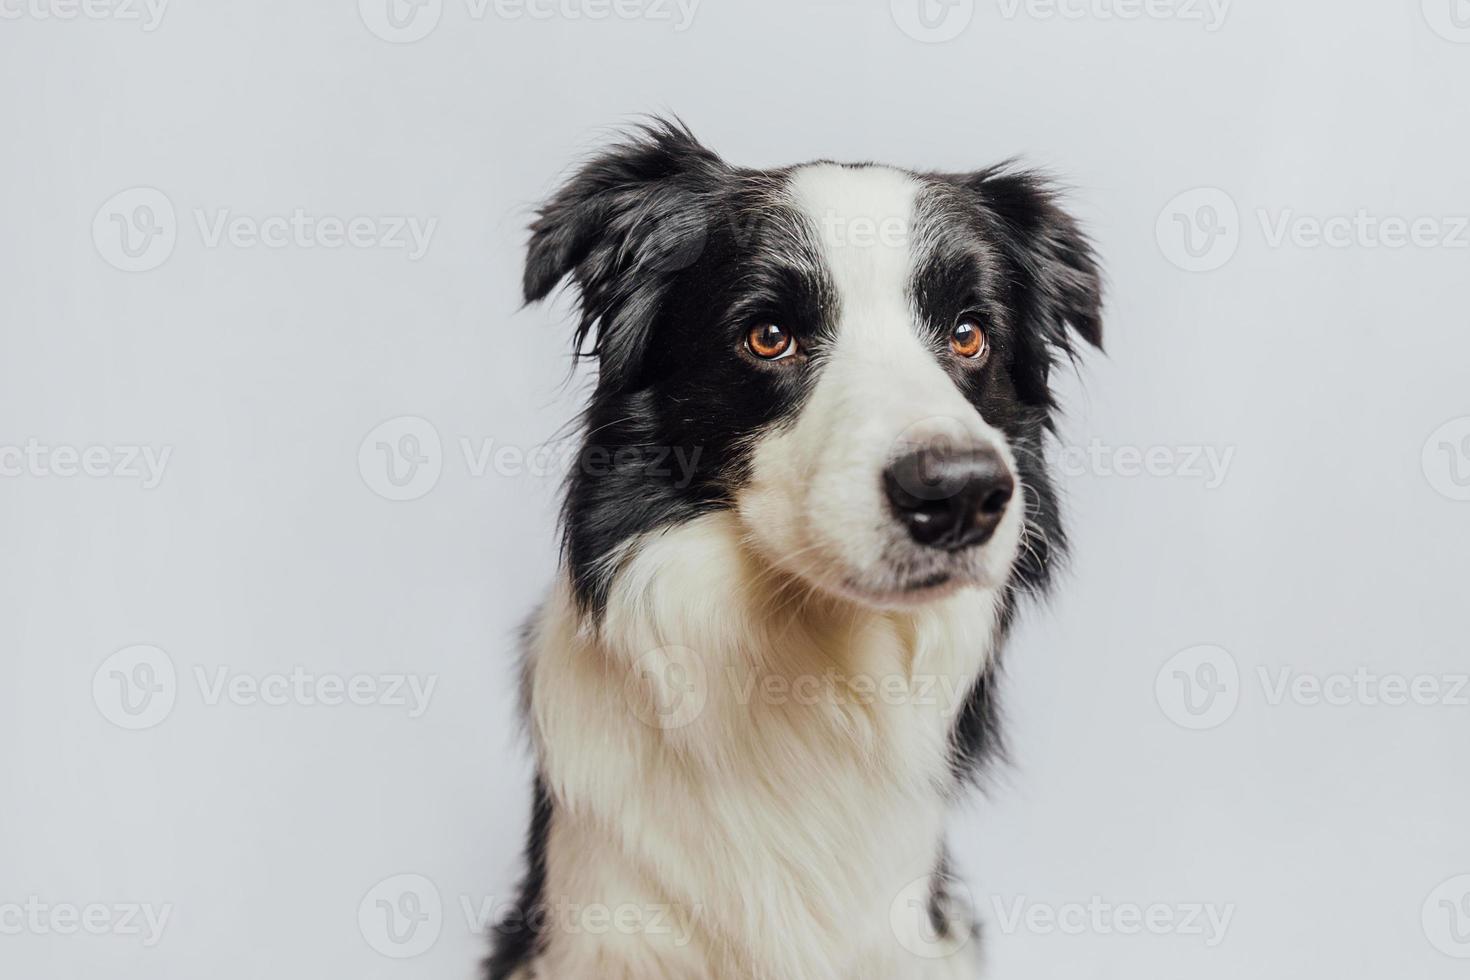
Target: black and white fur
(738, 831)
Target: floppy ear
(1058, 274)
(621, 227)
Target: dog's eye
(770, 342)
(968, 338)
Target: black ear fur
(621, 227)
(1055, 259)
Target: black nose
(949, 497)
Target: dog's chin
(900, 588)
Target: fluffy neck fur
(767, 766)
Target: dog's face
(854, 360)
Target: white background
(1336, 540)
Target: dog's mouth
(902, 587)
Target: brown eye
(770, 342)
(968, 339)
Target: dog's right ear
(621, 227)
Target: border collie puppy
(810, 495)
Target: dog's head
(854, 360)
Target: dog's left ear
(621, 228)
(1059, 282)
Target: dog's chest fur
(764, 770)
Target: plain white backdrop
(274, 500)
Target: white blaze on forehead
(881, 372)
(864, 218)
